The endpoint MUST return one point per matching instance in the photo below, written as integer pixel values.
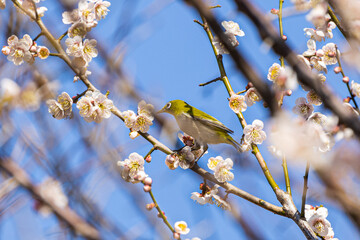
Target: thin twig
(352, 96)
(305, 188)
(214, 80)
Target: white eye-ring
(168, 106)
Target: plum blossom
(143, 120)
(237, 103)
(89, 50)
(329, 51)
(355, 88)
(274, 72)
(313, 98)
(101, 9)
(213, 162)
(62, 108)
(232, 28)
(318, 63)
(94, 106)
(42, 52)
(252, 96)
(19, 50)
(132, 168)
(311, 44)
(74, 46)
(172, 161)
(221, 47)
(303, 108)
(206, 195)
(181, 227)
(316, 217)
(284, 78)
(254, 133)
(221, 168)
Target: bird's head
(175, 107)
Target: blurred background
(153, 51)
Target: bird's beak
(161, 111)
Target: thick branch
(66, 214)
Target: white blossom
(222, 171)
(181, 227)
(20, 49)
(254, 133)
(143, 120)
(316, 217)
(101, 9)
(62, 108)
(89, 50)
(303, 108)
(329, 57)
(74, 46)
(131, 167)
(355, 88)
(232, 28)
(252, 96)
(220, 47)
(94, 106)
(237, 103)
(313, 98)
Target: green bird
(201, 126)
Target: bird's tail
(235, 144)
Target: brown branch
(66, 214)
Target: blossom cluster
(239, 103)
(62, 107)
(210, 195)
(132, 169)
(232, 30)
(23, 50)
(186, 157)
(141, 121)
(94, 106)
(221, 168)
(316, 217)
(253, 134)
(82, 20)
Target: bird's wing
(213, 123)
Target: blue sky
(167, 56)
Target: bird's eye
(168, 106)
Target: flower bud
(331, 54)
(150, 206)
(176, 235)
(133, 134)
(148, 181)
(249, 85)
(284, 37)
(147, 188)
(288, 92)
(346, 100)
(337, 69)
(148, 159)
(274, 11)
(5, 50)
(346, 79)
(159, 215)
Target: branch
(66, 214)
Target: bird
(204, 128)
